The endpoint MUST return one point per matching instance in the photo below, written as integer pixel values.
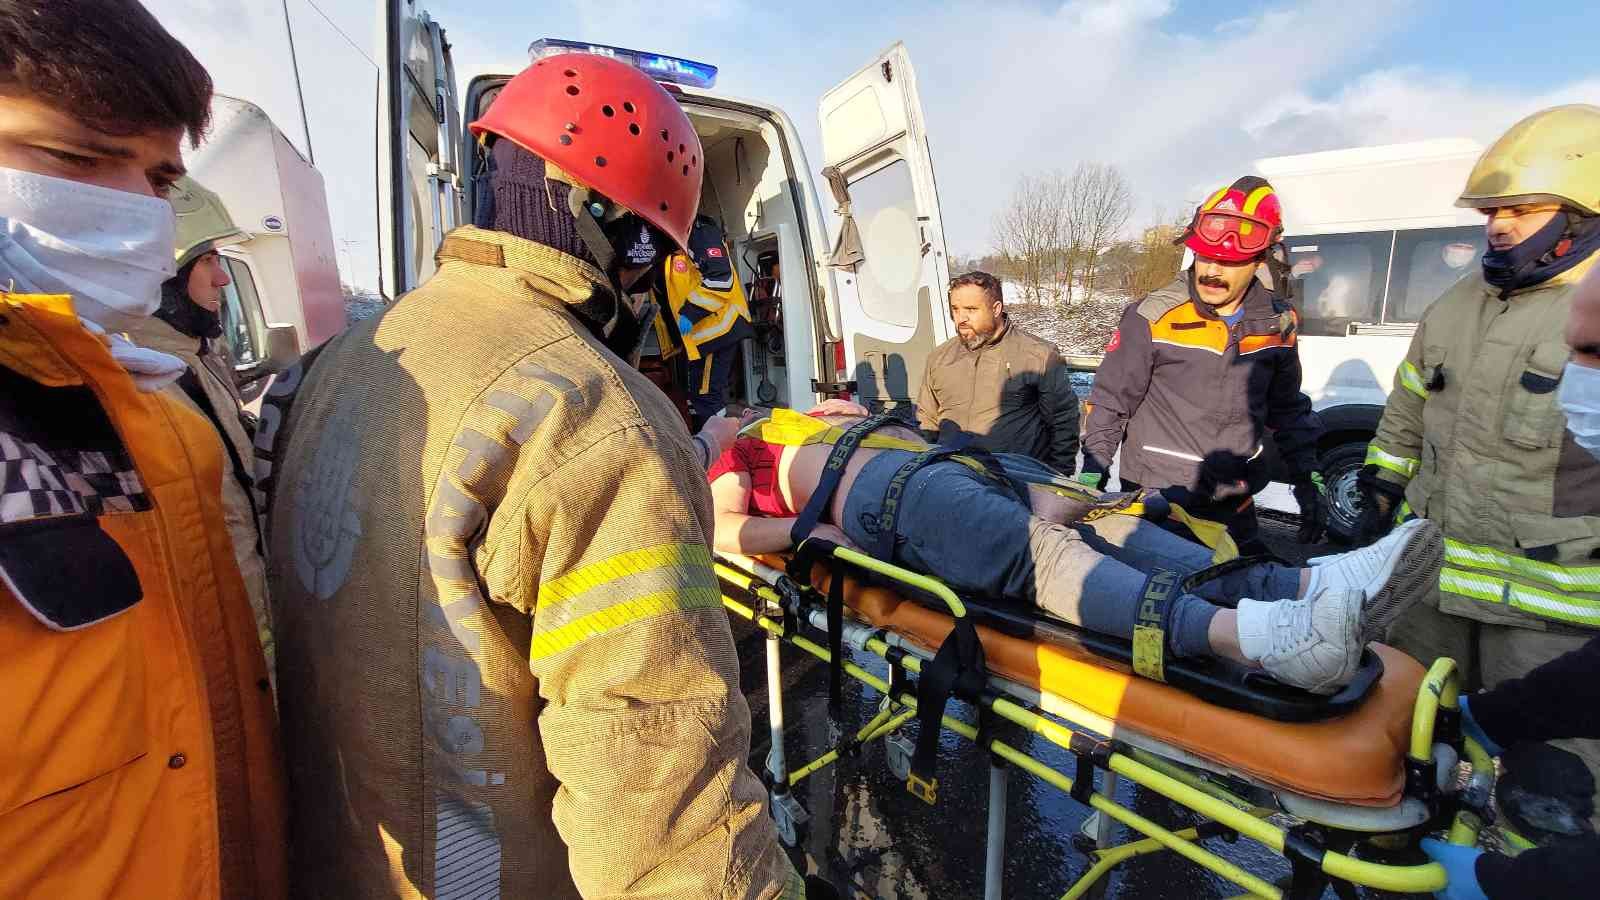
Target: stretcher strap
(1150, 630)
(832, 472)
(957, 668)
(1237, 564)
(888, 515)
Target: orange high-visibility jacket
(138, 751)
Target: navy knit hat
(521, 202)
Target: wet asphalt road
(871, 838)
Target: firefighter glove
(1312, 497)
(1378, 501)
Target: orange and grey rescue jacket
(503, 661)
(140, 756)
(1178, 384)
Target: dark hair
(107, 63)
(988, 283)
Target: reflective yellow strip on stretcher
(1348, 774)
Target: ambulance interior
(751, 193)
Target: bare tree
(1028, 234)
(1099, 201)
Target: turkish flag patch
(1115, 342)
(714, 252)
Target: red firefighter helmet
(1236, 224)
(612, 128)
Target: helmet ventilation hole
(572, 90)
(686, 170)
(671, 156)
(600, 161)
(663, 206)
(570, 73)
(664, 135)
(694, 160)
(607, 111)
(627, 106)
(633, 128)
(681, 148)
(566, 140)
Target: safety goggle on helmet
(1236, 224)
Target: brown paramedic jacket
(503, 661)
(1473, 431)
(138, 754)
(1013, 393)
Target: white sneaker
(1393, 573)
(1313, 643)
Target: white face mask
(109, 249)
(1580, 400)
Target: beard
(974, 339)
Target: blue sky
(1179, 94)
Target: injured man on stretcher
(993, 536)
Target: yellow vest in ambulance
(700, 314)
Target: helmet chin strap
(588, 210)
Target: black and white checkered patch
(36, 483)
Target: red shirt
(760, 460)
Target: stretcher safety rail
(1319, 849)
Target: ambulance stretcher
(1236, 748)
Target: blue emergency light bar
(658, 66)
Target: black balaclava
(1564, 241)
(187, 316)
(520, 201)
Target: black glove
(818, 888)
(1223, 476)
(1379, 498)
(1310, 494)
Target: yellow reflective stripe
(1403, 466)
(1545, 604)
(1255, 198)
(704, 302)
(1565, 608)
(1214, 199)
(705, 376)
(1478, 587)
(1403, 513)
(586, 578)
(710, 328)
(1566, 578)
(627, 612)
(1411, 379)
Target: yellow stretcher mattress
(1356, 759)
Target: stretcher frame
(1318, 853)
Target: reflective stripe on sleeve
(1411, 379)
(1404, 466)
(1563, 578)
(615, 592)
(1544, 604)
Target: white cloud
(1008, 87)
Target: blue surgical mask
(1580, 400)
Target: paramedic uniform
(706, 305)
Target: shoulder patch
(1159, 303)
(1115, 342)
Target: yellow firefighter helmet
(203, 222)
(1552, 156)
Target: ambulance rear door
(890, 254)
(419, 133)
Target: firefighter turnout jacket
(1474, 434)
(140, 756)
(1178, 383)
(503, 661)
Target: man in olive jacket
(997, 383)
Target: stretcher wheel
(898, 749)
(790, 817)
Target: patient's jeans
(963, 529)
